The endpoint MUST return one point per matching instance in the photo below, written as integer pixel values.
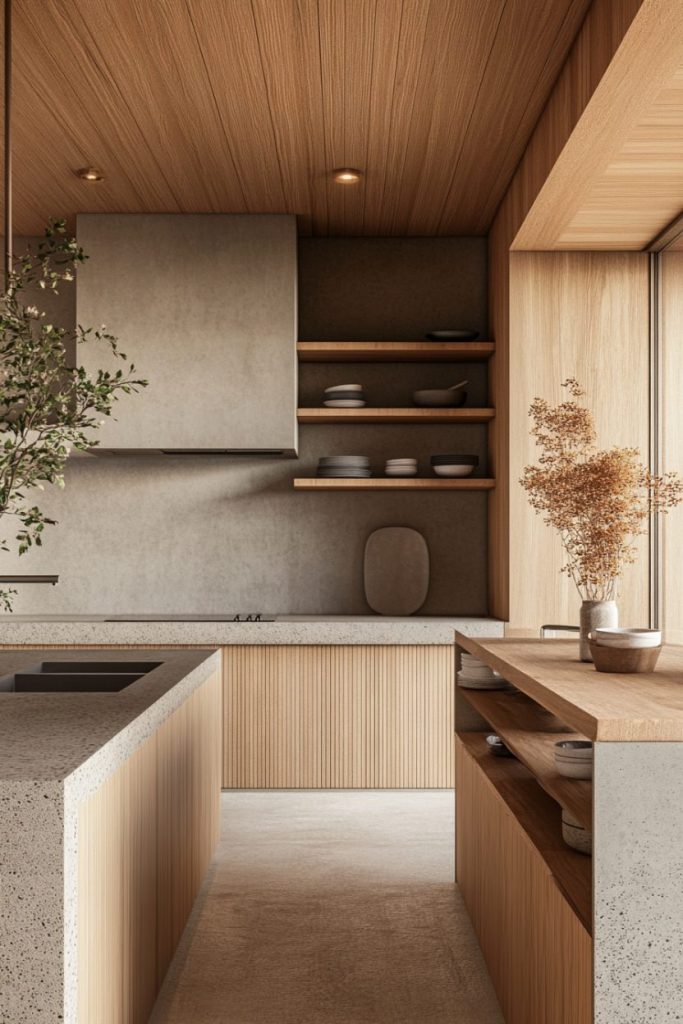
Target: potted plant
(598, 500)
(47, 406)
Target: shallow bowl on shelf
(624, 659)
(400, 471)
(440, 398)
(574, 759)
(453, 335)
(575, 835)
(453, 471)
(497, 747)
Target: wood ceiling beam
(648, 58)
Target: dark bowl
(440, 398)
(624, 659)
(453, 335)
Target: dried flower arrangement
(599, 501)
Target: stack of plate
(454, 465)
(355, 466)
(475, 675)
(344, 396)
(401, 467)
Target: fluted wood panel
(188, 811)
(537, 952)
(145, 839)
(334, 717)
(117, 853)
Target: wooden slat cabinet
(337, 717)
(145, 839)
(538, 952)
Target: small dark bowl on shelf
(497, 747)
(440, 398)
(453, 335)
(624, 659)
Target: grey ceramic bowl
(440, 398)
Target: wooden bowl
(624, 659)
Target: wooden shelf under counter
(414, 483)
(394, 351)
(531, 732)
(410, 414)
(540, 818)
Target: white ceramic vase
(595, 615)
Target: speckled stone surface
(55, 750)
(293, 629)
(638, 883)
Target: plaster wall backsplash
(208, 535)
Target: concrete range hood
(205, 305)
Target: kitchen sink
(77, 677)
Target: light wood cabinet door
(188, 811)
(145, 840)
(537, 952)
(117, 866)
(338, 717)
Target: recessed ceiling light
(90, 174)
(346, 176)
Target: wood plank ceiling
(246, 106)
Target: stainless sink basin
(77, 677)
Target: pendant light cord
(8, 143)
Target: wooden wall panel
(335, 717)
(537, 952)
(583, 315)
(671, 440)
(600, 35)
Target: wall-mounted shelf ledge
(394, 351)
(395, 415)
(392, 484)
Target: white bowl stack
(401, 467)
(475, 675)
(627, 638)
(574, 758)
(344, 396)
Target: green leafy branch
(47, 407)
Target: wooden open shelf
(393, 484)
(397, 415)
(531, 732)
(540, 817)
(393, 351)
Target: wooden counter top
(601, 705)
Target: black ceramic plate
(452, 335)
(454, 460)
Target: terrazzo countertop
(55, 750)
(47, 736)
(286, 629)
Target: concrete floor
(330, 908)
